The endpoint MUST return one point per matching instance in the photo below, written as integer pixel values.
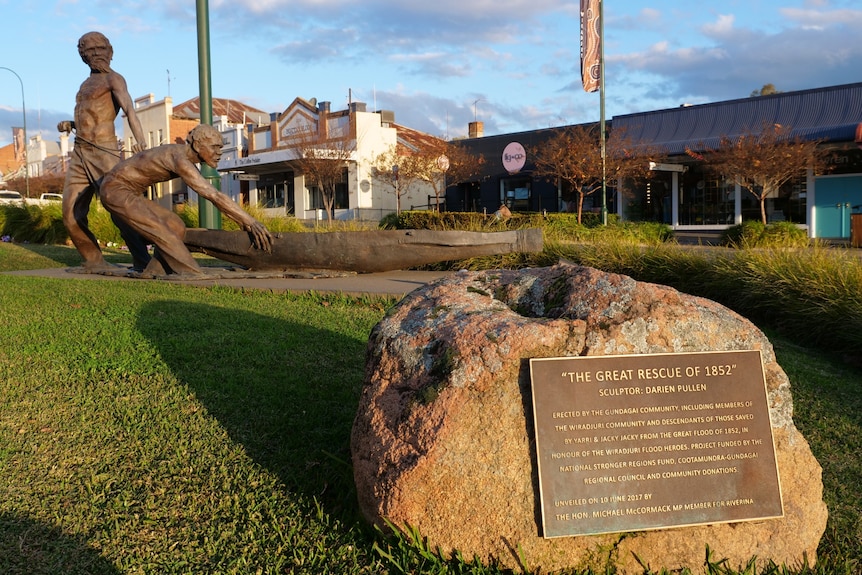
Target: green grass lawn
(148, 427)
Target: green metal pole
(208, 214)
(602, 110)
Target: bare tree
(574, 156)
(764, 160)
(439, 163)
(394, 168)
(322, 162)
(431, 161)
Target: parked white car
(52, 197)
(10, 197)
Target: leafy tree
(574, 156)
(766, 90)
(762, 161)
(49, 183)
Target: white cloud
(721, 27)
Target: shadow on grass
(285, 390)
(828, 412)
(29, 547)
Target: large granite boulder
(443, 440)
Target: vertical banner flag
(590, 45)
(18, 144)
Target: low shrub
(34, 224)
(563, 227)
(190, 215)
(43, 224)
(467, 221)
(637, 233)
(810, 295)
(744, 235)
(389, 222)
(784, 235)
(754, 234)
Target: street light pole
(26, 141)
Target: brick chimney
(475, 130)
(323, 121)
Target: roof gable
(298, 120)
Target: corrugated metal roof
(412, 140)
(236, 111)
(823, 113)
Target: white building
(42, 156)
(278, 184)
(258, 165)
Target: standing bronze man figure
(98, 102)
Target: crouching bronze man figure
(122, 193)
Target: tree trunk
(580, 206)
(328, 201)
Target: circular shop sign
(514, 157)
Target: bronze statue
(95, 167)
(100, 98)
(361, 251)
(122, 193)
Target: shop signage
(514, 157)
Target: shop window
(315, 197)
(706, 201)
(272, 196)
(275, 191)
(787, 204)
(516, 193)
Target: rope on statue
(119, 151)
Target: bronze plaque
(638, 442)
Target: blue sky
(512, 64)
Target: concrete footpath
(394, 284)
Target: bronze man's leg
(76, 206)
(159, 225)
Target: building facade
(507, 178)
(683, 192)
(355, 137)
